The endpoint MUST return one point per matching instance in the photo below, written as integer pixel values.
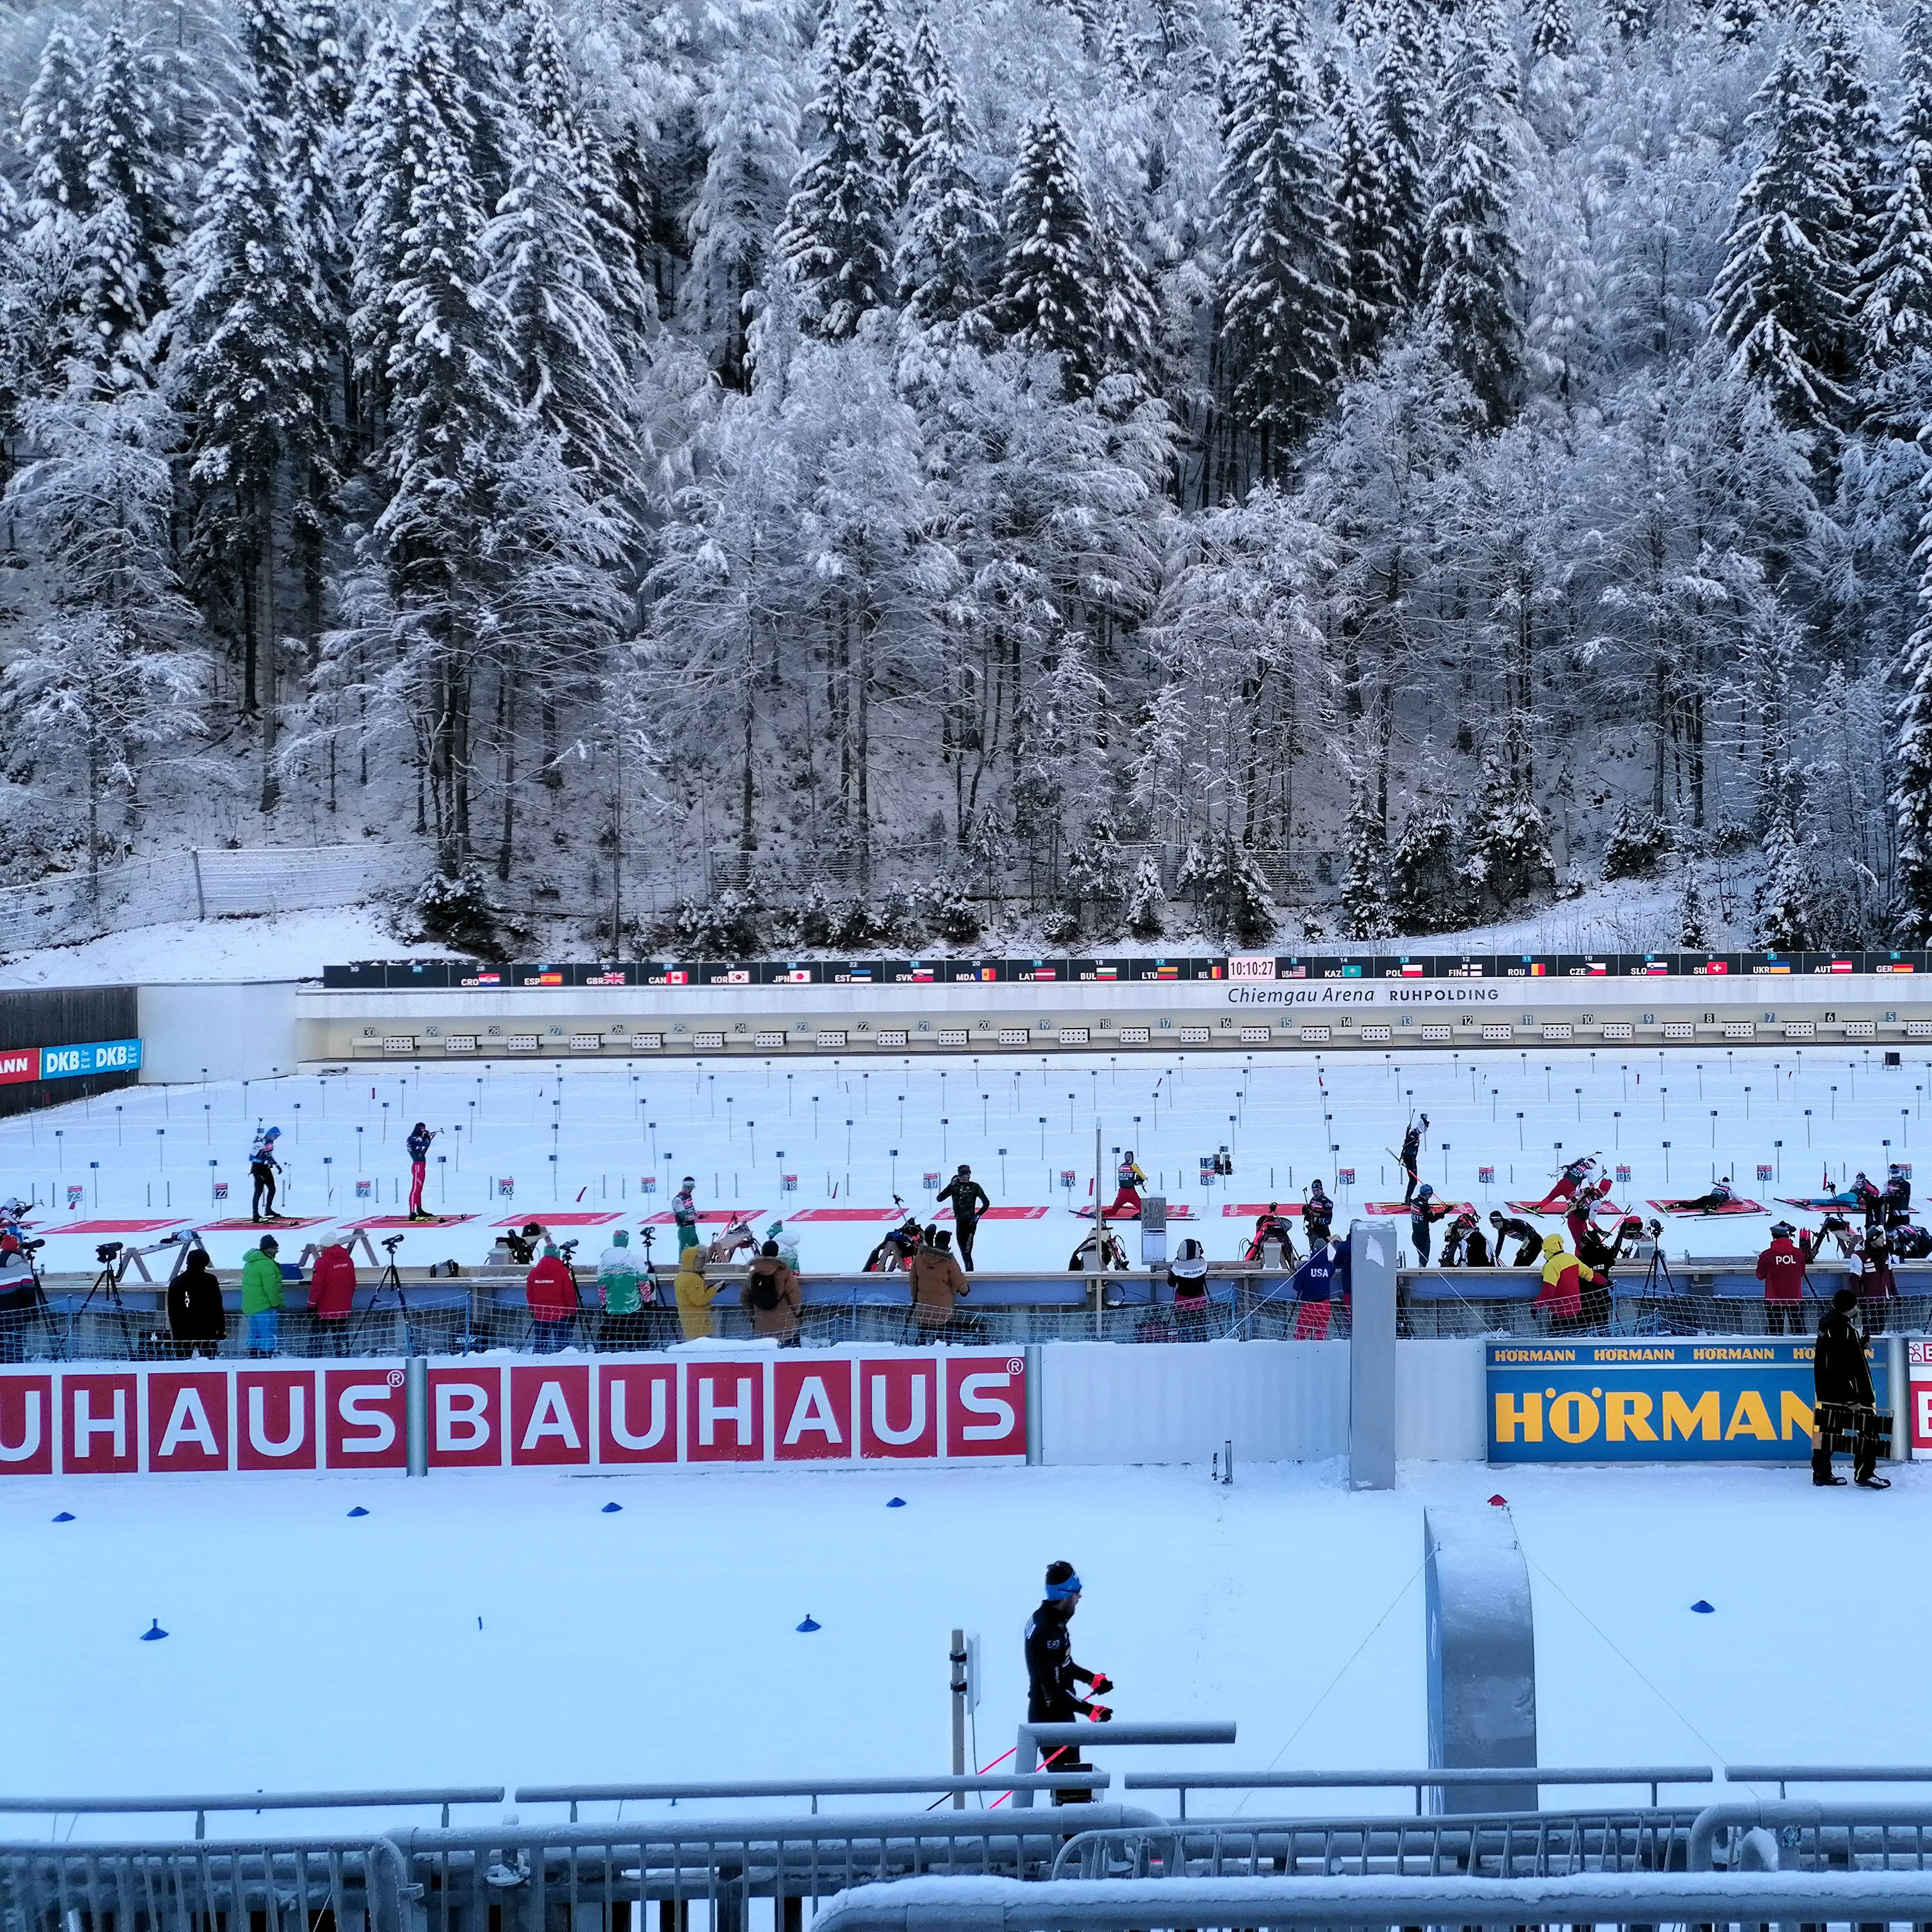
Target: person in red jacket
(551, 1289)
(332, 1294)
(1781, 1268)
(1871, 1275)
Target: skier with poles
(970, 1200)
(1052, 1675)
(684, 1212)
(1573, 1177)
(263, 1168)
(1410, 1154)
(1424, 1211)
(1317, 1215)
(417, 1144)
(1529, 1243)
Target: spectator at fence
(1187, 1276)
(788, 1243)
(197, 1323)
(551, 1288)
(936, 1282)
(623, 1295)
(1781, 1268)
(694, 1295)
(1561, 1297)
(1314, 1287)
(1871, 1275)
(331, 1295)
(262, 1296)
(772, 1293)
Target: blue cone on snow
(612, 1509)
(154, 1632)
(808, 1624)
(65, 1515)
(898, 1502)
(359, 1510)
(1702, 1608)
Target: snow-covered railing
(443, 1797)
(1182, 1782)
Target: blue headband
(1058, 1593)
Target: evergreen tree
(1896, 316)
(951, 234)
(380, 163)
(1857, 129)
(1912, 765)
(1130, 311)
(1401, 114)
(1145, 912)
(834, 240)
(1737, 20)
(1052, 293)
(1509, 845)
(1693, 916)
(1228, 888)
(1785, 293)
(890, 98)
(53, 123)
(1554, 35)
(1471, 267)
(1283, 312)
(1362, 232)
(1786, 910)
(1631, 18)
(1422, 880)
(1365, 909)
(125, 236)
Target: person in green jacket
(623, 1295)
(262, 1296)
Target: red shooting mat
(1000, 1214)
(845, 1214)
(1176, 1210)
(725, 1216)
(1560, 1208)
(403, 1221)
(1699, 1213)
(1252, 1211)
(1402, 1207)
(537, 1215)
(115, 1227)
(241, 1223)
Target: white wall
(234, 1032)
(1105, 1403)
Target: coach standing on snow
(1052, 1674)
(970, 1200)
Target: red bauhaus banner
(565, 1412)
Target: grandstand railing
(1182, 1782)
(1784, 1774)
(813, 1788)
(385, 1799)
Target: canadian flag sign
(623, 1412)
(213, 1418)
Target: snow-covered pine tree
(1052, 287)
(1282, 308)
(951, 235)
(1471, 271)
(1912, 762)
(1365, 907)
(835, 241)
(1554, 37)
(1897, 314)
(1857, 127)
(1508, 843)
(1694, 915)
(1370, 296)
(747, 115)
(1737, 20)
(129, 225)
(1784, 294)
(1228, 888)
(890, 100)
(1401, 118)
(1130, 312)
(1145, 912)
(552, 284)
(53, 125)
(1423, 885)
(1630, 18)
(380, 164)
(1786, 908)
(1637, 843)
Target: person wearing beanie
(262, 1296)
(623, 1325)
(694, 1293)
(970, 1200)
(1052, 1675)
(1841, 1378)
(772, 1293)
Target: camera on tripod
(32, 1247)
(567, 1249)
(392, 1243)
(106, 1251)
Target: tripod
(108, 1280)
(390, 1281)
(1650, 1296)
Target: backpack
(761, 1289)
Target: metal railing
(1638, 1899)
(1182, 1782)
(1524, 1844)
(184, 1888)
(1784, 1774)
(443, 1797)
(813, 1788)
(1802, 1835)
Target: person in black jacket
(1052, 1674)
(970, 1200)
(196, 1323)
(1529, 1243)
(1841, 1375)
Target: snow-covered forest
(1130, 465)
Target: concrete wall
(227, 1032)
(1103, 1403)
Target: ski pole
(1043, 1763)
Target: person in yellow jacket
(694, 1295)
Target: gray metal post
(1371, 1356)
(415, 1413)
(958, 1686)
(1035, 1440)
(1899, 1394)
(1480, 1656)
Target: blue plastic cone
(154, 1632)
(359, 1510)
(898, 1502)
(808, 1624)
(612, 1509)
(65, 1515)
(1702, 1608)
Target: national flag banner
(1217, 971)
(485, 979)
(1412, 969)
(1775, 966)
(1897, 966)
(799, 976)
(1714, 966)
(546, 980)
(1294, 972)
(861, 973)
(1537, 970)
(733, 978)
(1167, 972)
(1350, 972)
(1044, 973)
(1840, 966)
(1595, 968)
(675, 978)
(989, 972)
(1106, 972)
(1656, 967)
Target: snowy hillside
(763, 475)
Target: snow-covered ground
(283, 945)
(477, 1628)
(853, 1133)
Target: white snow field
(853, 1131)
(308, 1649)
